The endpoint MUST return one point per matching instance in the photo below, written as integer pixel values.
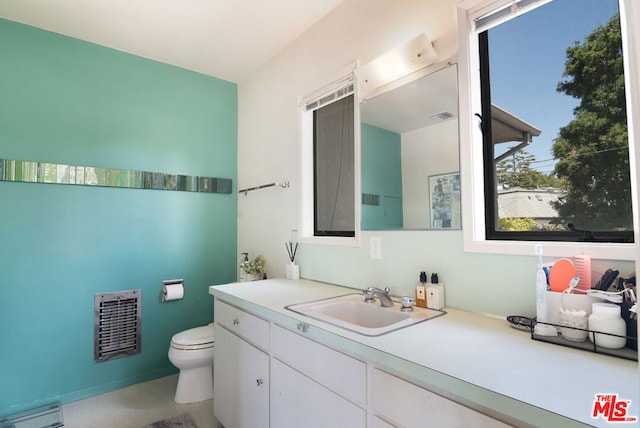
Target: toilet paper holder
(172, 289)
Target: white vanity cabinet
(313, 385)
(241, 368)
(269, 376)
(397, 402)
(392, 379)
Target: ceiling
(426, 101)
(228, 39)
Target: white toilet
(192, 352)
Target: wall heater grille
(117, 325)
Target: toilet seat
(194, 338)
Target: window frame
(472, 149)
(306, 215)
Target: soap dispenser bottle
(243, 274)
(421, 291)
(435, 293)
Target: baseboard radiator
(117, 325)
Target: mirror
(57, 173)
(409, 150)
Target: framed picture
(444, 201)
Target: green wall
(382, 176)
(67, 101)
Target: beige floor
(135, 407)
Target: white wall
(268, 151)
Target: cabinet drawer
(406, 404)
(342, 374)
(245, 325)
(298, 401)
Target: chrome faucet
(383, 295)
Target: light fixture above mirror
(396, 64)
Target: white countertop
(476, 359)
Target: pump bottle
(421, 291)
(435, 293)
(243, 274)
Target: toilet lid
(194, 337)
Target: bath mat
(181, 421)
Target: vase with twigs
(293, 270)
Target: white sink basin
(353, 313)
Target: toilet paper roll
(172, 292)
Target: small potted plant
(255, 268)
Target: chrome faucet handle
(368, 295)
(407, 304)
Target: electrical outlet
(375, 247)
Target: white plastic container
(605, 318)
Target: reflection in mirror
(409, 138)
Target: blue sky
(524, 80)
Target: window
(330, 171)
(333, 168)
(548, 136)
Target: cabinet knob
(259, 381)
(236, 321)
